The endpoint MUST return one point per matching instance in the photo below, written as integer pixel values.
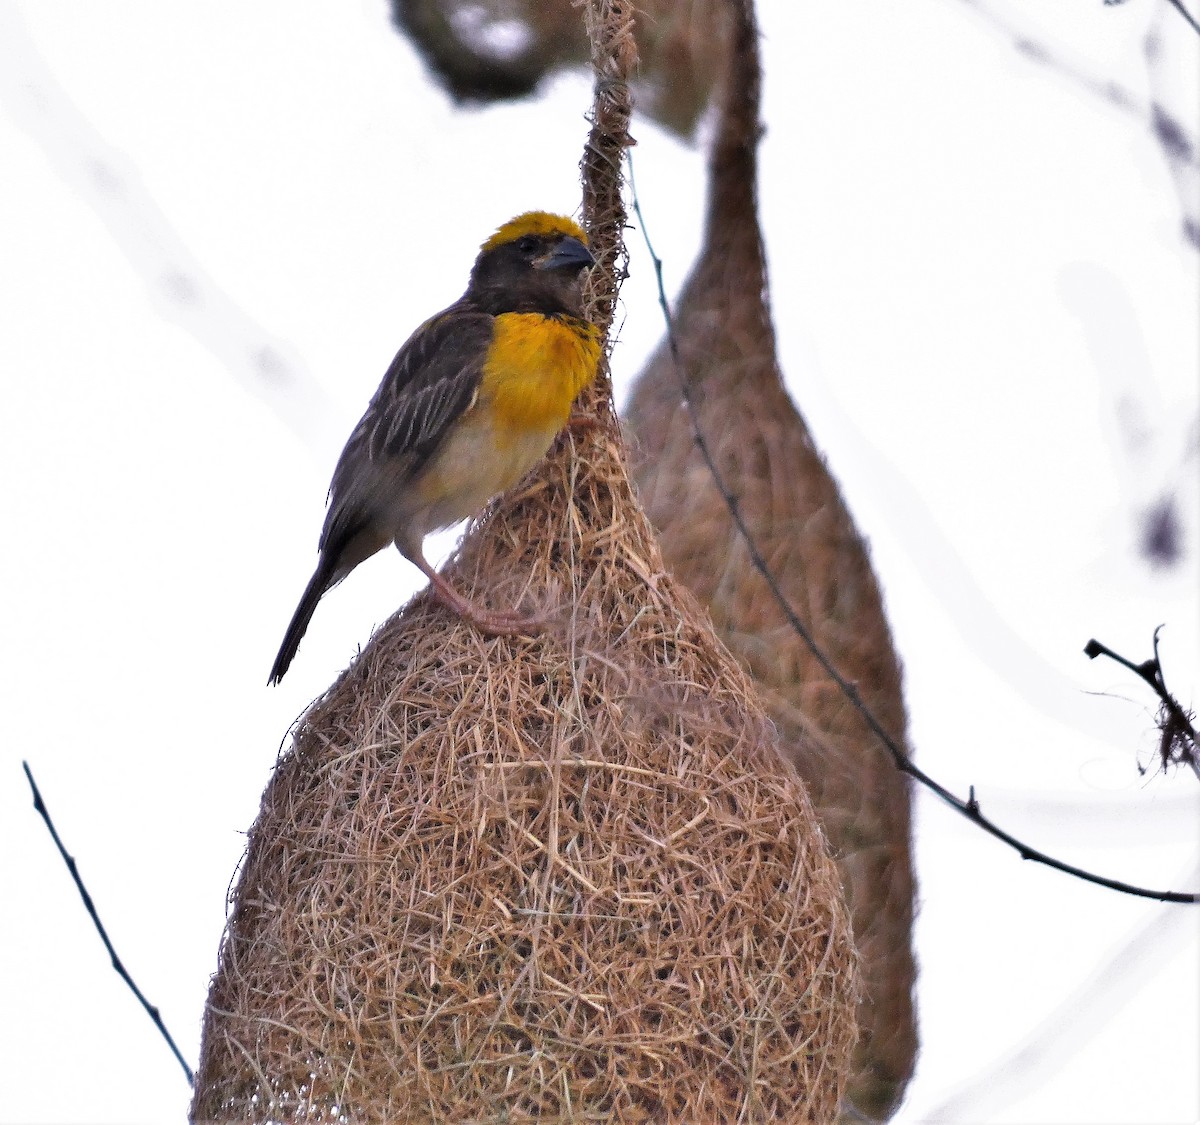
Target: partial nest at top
(495, 50)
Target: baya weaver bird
(469, 405)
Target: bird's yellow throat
(536, 366)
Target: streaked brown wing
(432, 380)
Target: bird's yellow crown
(535, 222)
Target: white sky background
(975, 261)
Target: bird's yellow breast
(535, 367)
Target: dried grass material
(800, 523)
(490, 50)
(563, 878)
(536, 880)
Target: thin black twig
(970, 808)
(69, 860)
(1176, 4)
(1178, 733)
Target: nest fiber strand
(558, 878)
(802, 527)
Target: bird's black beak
(569, 252)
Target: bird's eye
(527, 245)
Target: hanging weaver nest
(802, 527)
(490, 50)
(562, 878)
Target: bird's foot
(492, 622)
(504, 624)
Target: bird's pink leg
(487, 621)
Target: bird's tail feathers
(323, 577)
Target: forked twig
(1178, 733)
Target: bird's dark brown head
(534, 263)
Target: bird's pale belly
(474, 464)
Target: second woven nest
(793, 509)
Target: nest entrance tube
(560, 878)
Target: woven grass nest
(561, 878)
(551, 879)
(800, 523)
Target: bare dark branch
(969, 808)
(69, 860)
(1177, 731)
(1176, 4)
